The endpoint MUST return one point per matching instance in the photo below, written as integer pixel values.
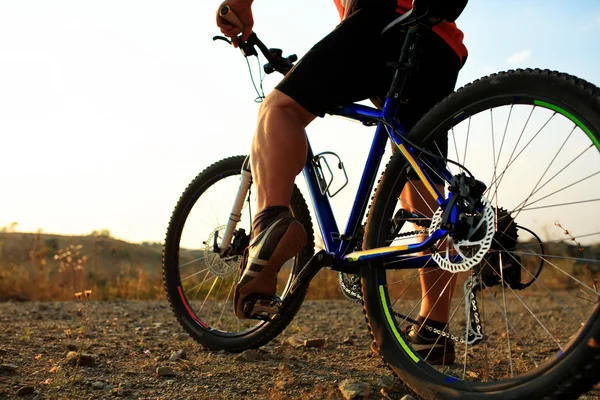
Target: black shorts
(350, 65)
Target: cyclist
(347, 65)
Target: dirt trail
(130, 341)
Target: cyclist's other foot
(433, 348)
(282, 239)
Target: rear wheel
(200, 283)
(525, 320)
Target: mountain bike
(517, 230)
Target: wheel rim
(207, 281)
(541, 164)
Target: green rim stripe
(571, 117)
(393, 326)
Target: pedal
(265, 308)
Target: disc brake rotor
(465, 253)
(219, 266)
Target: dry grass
(36, 268)
(49, 267)
(51, 272)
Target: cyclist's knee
(279, 102)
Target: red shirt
(448, 31)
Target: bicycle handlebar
(276, 60)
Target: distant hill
(96, 260)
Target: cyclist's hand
(238, 20)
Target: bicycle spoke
(421, 300)
(191, 262)
(467, 141)
(592, 260)
(190, 251)
(209, 292)
(455, 147)
(558, 191)
(523, 149)
(226, 303)
(194, 274)
(539, 282)
(511, 326)
(493, 179)
(559, 205)
(554, 176)
(526, 307)
(506, 311)
(197, 287)
(412, 279)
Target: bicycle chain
(476, 318)
(430, 328)
(472, 302)
(420, 232)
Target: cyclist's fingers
(231, 33)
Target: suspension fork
(236, 212)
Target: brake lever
(222, 38)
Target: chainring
(350, 286)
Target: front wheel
(524, 322)
(199, 282)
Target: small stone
(314, 343)
(178, 355)
(284, 368)
(280, 385)
(85, 360)
(248, 355)
(295, 341)
(74, 346)
(120, 391)
(407, 397)
(8, 368)
(25, 390)
(165, 371)
(385, 382)
(98, 385)
(348, 341)
(352, 389)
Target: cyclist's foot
(255, 291)
(429, 345)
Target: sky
(109, 108)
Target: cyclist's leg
(278, 149)
(436, 78)
(335, 72)
(437, 285)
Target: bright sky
(109, 108)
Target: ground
(133, 343)
(130, 340)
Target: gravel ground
(138, 350)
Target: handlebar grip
(227, 13)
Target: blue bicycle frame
(334, 242)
